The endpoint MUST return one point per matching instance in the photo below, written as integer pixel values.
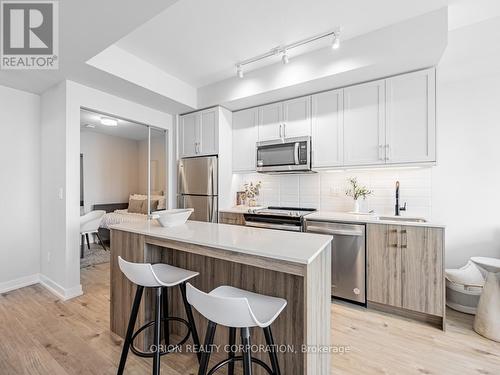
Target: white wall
(326, 190)
(466, 182)
(110, 168)
(19, 188)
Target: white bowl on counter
(174, 217)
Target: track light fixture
(336, 40)
(283, 50)
(284, 57)
(239, 71)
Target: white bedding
(121, 216)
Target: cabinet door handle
(387, 152)
(280, 131)
(404, 235)
(284, 130)
(380, 148)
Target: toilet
(487, 320)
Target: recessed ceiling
(199, 41)
(125, 129)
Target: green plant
(355, 190)
(251, 190)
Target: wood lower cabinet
(405, 270)
(422, 269)
(231, 218)
(383, 265)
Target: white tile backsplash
(326, 190)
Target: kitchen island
(293, 266)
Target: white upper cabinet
(411, 118)
(270, 122)
(188, 135)
(209, 136)
(297, 117)
(199, 133)
(364, 124)
(245, 136)
(327, 129)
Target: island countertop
(301, 248)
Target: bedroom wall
(19, 189)
(110, 167)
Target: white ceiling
(199, 41)
(125, 129)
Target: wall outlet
(60, 193)
(48, 257)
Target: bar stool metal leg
(130, 329)
(166, 326)
(157, 333)
(189, 313)
(232, 343)
(207, 348)
(272, 351)
(247, 356)
(88, 241)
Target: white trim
(21, 282)
(59, 291)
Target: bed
(117, 213)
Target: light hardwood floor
(41, 335)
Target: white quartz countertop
(367, 218)
(294, 247)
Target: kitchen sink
(402, 218)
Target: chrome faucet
(398, 209)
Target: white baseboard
(58, 290)
(21, 282)
(49, 284)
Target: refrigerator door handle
(210, 210)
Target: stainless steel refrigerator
(198, 187)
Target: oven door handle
(257, 224)
(296, 153)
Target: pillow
(162, 203)
(154, 206)
(135, 205)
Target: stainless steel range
(282, 218)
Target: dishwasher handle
(336, 231)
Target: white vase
(356, 206)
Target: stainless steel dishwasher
(348, 258)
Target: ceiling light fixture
(107, 121)
(239, 71)
(284, 58)
(283, 50)
(336, 40)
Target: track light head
(284, 58)
(239, 71)
(336, 40)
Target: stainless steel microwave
(286, 155)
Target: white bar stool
(158, 276)
(237, 308)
